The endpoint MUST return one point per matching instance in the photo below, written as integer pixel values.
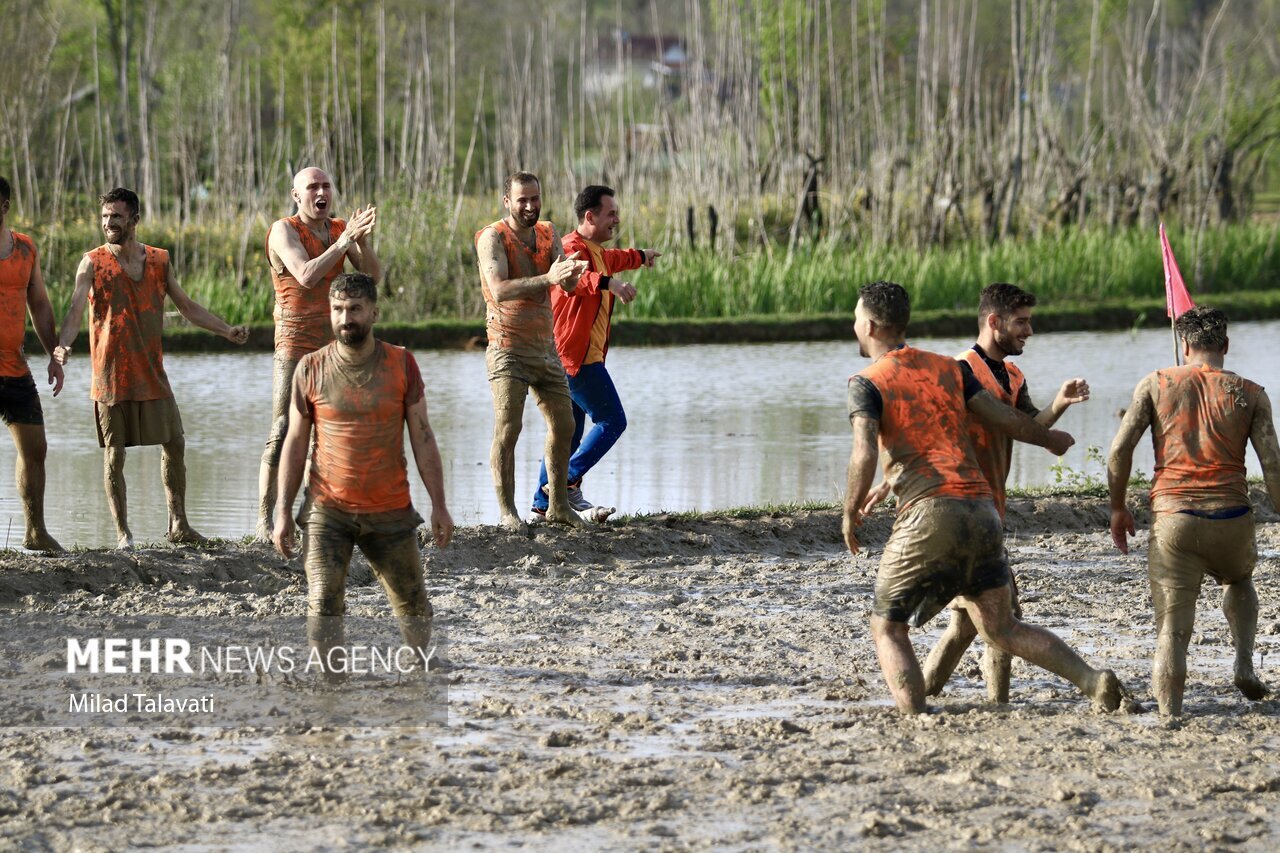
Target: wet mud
(672, 683)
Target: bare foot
(184, 534)
(565, 516)
(597, 514)
(43, 542)
(1107, 692)
(1250, 685)
(513, 523)
(262, 533)
(125, 542)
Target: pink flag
(1176, 297)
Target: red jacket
(575, 313)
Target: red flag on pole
(1176, 297)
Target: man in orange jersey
(359, 393)
(1201, 416)
(521, 261)
(1004, 324)
(582, 324)
(22, 289)
(910, 406)
(305, 252)
(125, 283)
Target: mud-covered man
(910, 405)
(1201, 417)
(125, 284)
(306, 252)
(583, 320)
(520, 261)
(22, 290)
(358, 393)
(1004, 325)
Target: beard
(1010, 344)
(528, 220)
(117, 238)
(353, 336)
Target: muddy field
(663, 683)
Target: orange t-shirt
(1200, 426)
(993, 450)
(302, 313)
(523, 326)
(357, 448)
(126, 324)
(924, 427)
(15, 277)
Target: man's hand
(360, 224)
(1059, 442)
(441, 526)
(566, 271)
(874, 497)
(650, 255)
(61, 354)
(625, 292)
(285, 534)
(852, 521)
(1072, 391)
(1122, 528)
(237, 334)
(55, 375)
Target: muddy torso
(15, 277)
(523, 326)
(126, 324)
(302, 313)
(1201, 421)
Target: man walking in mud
(125, 284)
(1004, 325)
(306, 252)
(910, 405)
(1201, 416)
(22, 290)
(521, 261)
(583, 319)
(358, 394)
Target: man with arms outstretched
(306, 252)
(1201, 416)
(910, 406)
(358, 394)
(125, 284)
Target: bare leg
(899, 665)
(557, 410)
(267, 482)
(173, 472)
(945, 656)
(29, 469)
(1240, 604)
(508, 414)
(997, 665)
(281, 386)
(992, 612)
(113, 480)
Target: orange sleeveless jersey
(924, 427)
(126, 322)
(15, 277)
(357, 453)
(993, 450)
(1200, 425)
(302, 313)
(523, 326)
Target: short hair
(129, 197)
(6, 192)
(888, 304)
(1003, 299)
(590, 199)
(520, 178)
(1203, 328)
(354, 285)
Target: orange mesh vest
(993, 450)
(126, 322)
(1200, 427)
(302, 313)
(924, 427)
(357, 453)
(523, 326)
(15, 277)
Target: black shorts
(20, 401)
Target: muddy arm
(200, 316)
(1263, 437)
(42, 322)
(1120, 463)
(427, 457)
(75, 311)
(1018, 425)
(862, 472)
(309, 272)
(492, 257)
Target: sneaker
(576, 501)
(537, 514)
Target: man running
(21, 290)
(582, 324)
(1201, 417)
(358, 393)
(517, 273)
(305, 252)
(125, 283)
(1004, 324)
(910, 405)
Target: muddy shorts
(20, 401)
(136, 423)
(1184, 548)
(940, 548)
(544, 373)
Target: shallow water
(710, 426)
